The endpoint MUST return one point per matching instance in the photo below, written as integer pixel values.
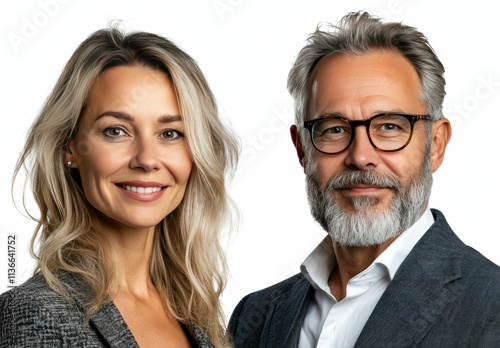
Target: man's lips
(362, 188)
(363, 183)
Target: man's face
(377, 186)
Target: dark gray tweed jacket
(445, 294)
(33, 315)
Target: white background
(246, 48)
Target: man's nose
(361, 153)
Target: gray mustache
(366, 177)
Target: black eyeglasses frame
(412, 118)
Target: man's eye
(389, 126)
(334, 130)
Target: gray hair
(358, 33)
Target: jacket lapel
(201, 339)
(287, 312)
(111, 326)
(421, 290)
(107, 322)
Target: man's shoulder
(482, 277)
(447, 244)
(276, 308)
(281, 288)
(445, 259)
(478, 263)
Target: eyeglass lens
(387, 133)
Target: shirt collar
(398, 250)
(319, 264)
(317, 267)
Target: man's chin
(354, 243)
(372, 241)
(356, 205)
(366, 226)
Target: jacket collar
(200, 338)
(422, 288)
(286, 314)
(109, 323)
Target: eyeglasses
(387, 132)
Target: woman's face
(130, 148)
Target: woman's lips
(142, 191)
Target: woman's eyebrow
(117, 114)
(170, 118)
(127, 117)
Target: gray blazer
(445, 294)
(33, 315)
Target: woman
(128, 160)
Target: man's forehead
(377, 76)
(360, 62)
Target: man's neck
(350, 262)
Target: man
(369, 134)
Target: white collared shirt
(331, 323)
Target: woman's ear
(441, 134)
(69, 158)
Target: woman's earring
(69, 163)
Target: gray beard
(365, 227)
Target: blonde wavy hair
(187, 265)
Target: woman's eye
(113, 132)
(171, 134)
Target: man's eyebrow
(377, 112)
(333, 114)
(127, 117)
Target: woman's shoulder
(36, 299)
(33, 310)
(34, 288)
(34, 292)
